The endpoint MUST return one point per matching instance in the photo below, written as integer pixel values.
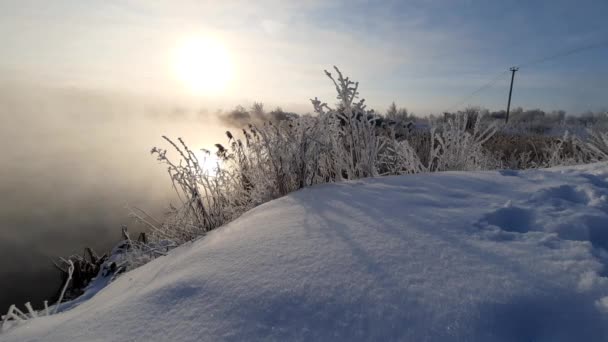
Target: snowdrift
(478, 256)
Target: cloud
(272, 27)
(281, 47)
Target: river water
(71, 161)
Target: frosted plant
(65, 286)
(398, 157)
(16, 316)
(456, 148)
(352, 129)
(598, 143)
(206, 201)
(568, 150)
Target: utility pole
(513, 70)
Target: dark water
(70, 163)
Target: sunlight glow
(203, 65)
(209, 162)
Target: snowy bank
(476, 256)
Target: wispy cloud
(396, 49)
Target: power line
(528, 64)
(491, 83)
(531, 63)
(564, 53)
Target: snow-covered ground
(481, 256)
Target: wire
(564, 53)
(488, 85)
(528, 64)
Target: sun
(203, 65)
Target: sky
(425, 55)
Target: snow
(455, 256)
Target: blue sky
(427, 55)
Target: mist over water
(71, 162)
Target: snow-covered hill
(483, 256)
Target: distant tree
(397, 115)
(278, 114)
(391, 112)
(238, 117)
(257, 111)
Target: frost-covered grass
(345, 142)
(452, 256)
(598, 143)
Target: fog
(71, 160)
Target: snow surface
(482, 256)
